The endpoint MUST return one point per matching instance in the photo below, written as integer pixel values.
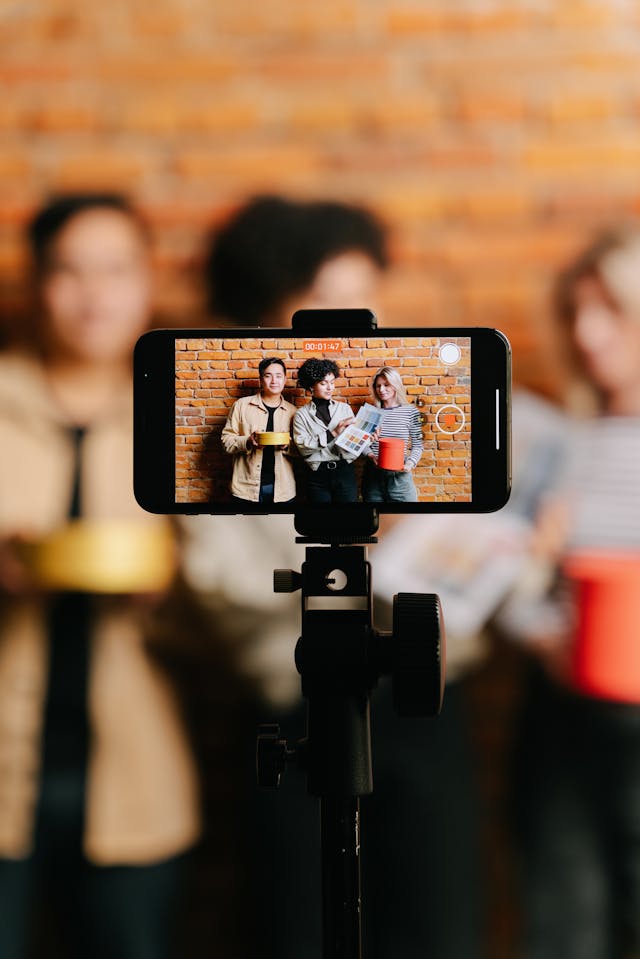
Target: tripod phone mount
(340, 657)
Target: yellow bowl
(103, 556)
(273, 439)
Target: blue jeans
(387, 486)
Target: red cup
(606, 651)
(391, 454)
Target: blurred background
(492, 138)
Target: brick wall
(492, 136)
(212, 374)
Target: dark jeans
(420, 857)
(578, 824)
(333, 483)
(100, 912)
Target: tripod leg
(341, 889)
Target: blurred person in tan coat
(98, 792)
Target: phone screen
(259, 421)
(275, 420)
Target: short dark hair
(313, 371)
(272, 248)
(51, 219)
(269, 361)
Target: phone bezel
(154, 421)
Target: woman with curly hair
(316, 426)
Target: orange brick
(608, 153)
(601, 59)
(397, 114)
(500, 19)
(155, 114)
(288, 21)
(567, 108)
(231, 116)
(14, 165)
(159, 22)
(583, 202)
(472, 154)
(303, 67)
(413, 201)
(58, 117)
(212, 354)
(166, 70)
(412, 21)
(481, 205)
(14, 259)
(282, 161)
(327, 116)
(579, 15)
(484, 107)
(47, 70)
(12, 113)
(96, 170)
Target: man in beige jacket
(261, 474)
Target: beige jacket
(247, 415)
(142, 795)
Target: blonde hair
(613, 259)
(394, 379)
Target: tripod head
(340, 657)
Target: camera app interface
(323, 420)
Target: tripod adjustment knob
(286, 580)
(271, 756)
(418, 654)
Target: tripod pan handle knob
(286, 580)
(418, 654)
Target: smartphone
(274, 420)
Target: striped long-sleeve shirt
(602, 483)
(403, 422)
(599, 487)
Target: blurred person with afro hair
(276, 255)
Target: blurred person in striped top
(577, 781)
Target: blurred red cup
(606, 651)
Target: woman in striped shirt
(578, 767)
(400, 420)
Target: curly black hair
(272, 248)
(312, 371)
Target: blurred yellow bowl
(103, 556)
(273, 439)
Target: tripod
(341, 656)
